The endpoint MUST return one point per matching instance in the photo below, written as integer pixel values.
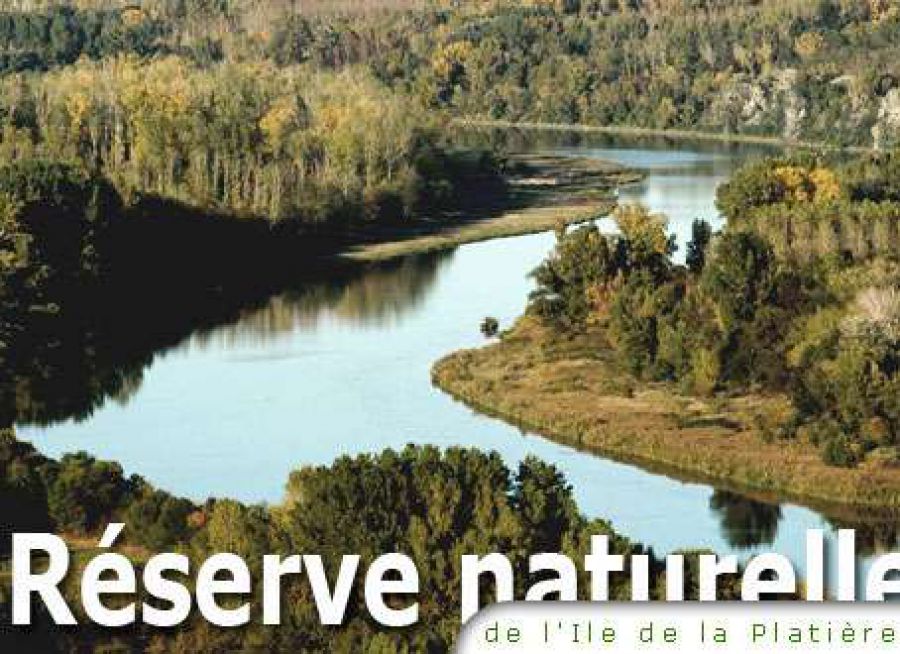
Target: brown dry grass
(567, 389)
(512, 223)
(546, 193)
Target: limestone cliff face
(844, 108)
(886, 131)
(793, 105)
(768, 104)
(858, 108)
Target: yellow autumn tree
(279, 122)
(809, 44)
(826, 184)
(449, 58)
(802, 185)
(641, 227)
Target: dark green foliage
(155, 519)
(230, 526)
(79, 495)
(739, 277)
(583, 259)
(838, 449)
(875, 178)
(848, 387)
(87, 288)
(565, 62)
(807, 208)
(633, 322)
(84, 494)
(689, 340)
(545, 504)
(701, 235)
(56, 239)
(236, 141)
(755, 298)
(745, 313)
(451, 179)
(434, 506)
(63, 34)
(62, 215)
(752, 186)
(608, 63)
(490, 327)
(23, 497)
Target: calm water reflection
(343, 367)
(746, 522)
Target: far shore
(679, 134)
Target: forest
(467, 501)
(818, 70)
(336, 114)
(246, 140)
(199, 153)
(797, 295)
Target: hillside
(823, 70)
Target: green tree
(701, 235)
(84, 494)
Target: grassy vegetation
(788, 320)
(512, 223)
(568, 388)
(546, 192)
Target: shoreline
(653, 427)
(651, 132)
(516, 222)
(547, 193)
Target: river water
(343, 367)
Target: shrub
(705, 371)
(157, 520)
(633, 326)
(490, 327)
(701, 235)
(583, 261)
(84, 493)
(838, 450)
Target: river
(343, 367)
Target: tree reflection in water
(746, 523)
(65, 363)
(377, 295)
(872, 537)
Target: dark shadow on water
(377, 294)
(526, 140)
(872, 538)
(67, 361)
(746, 523)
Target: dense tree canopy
(59, 36)
(761, 305)
(434, 506)
(821, 70)
(249, 139)
(132, 138)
